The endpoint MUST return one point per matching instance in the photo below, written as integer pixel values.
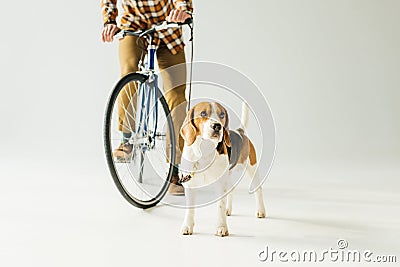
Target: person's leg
(173, 73)
(129, 56)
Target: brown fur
(244, 153)
(225, 139)
(193, 122)
(252, 154)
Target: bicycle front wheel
(139, 127)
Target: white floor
(72, 217)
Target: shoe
(123, 153)
(175, 187)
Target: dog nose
(216, 126)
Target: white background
(329, 69)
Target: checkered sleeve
(109, 11)
(184, 5)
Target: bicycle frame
(149, 89)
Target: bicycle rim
(143, 177)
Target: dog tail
(244, 118)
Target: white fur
(244, 118)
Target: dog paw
(222, 231)
(228, 212)
(261, 214)
(187, 230)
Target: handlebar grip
(118, 31)
(187, 21)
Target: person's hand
(177, 16)
(108, 32)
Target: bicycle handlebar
(157, 27)
(164, 25)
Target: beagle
(210, 155)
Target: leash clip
(184, 179)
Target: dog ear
(226, 138)
(188, 130)
(225, 144)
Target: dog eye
(222, 115)
(203, 113)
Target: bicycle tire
(136, 77)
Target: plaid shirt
(142, 14)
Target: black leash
(191, 64)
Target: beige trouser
(174, 85)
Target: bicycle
(137, 177)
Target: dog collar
(186, 178)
